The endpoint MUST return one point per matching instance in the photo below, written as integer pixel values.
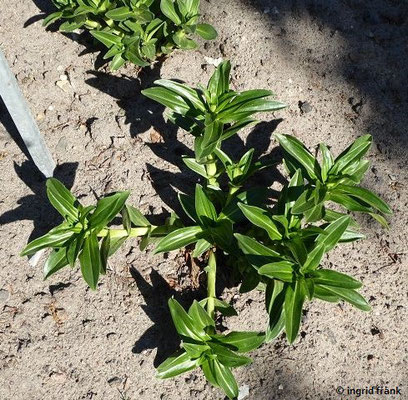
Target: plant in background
(277, 249)
(138, 31)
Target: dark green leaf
(259, 217)
(90, 260)
(328, 277)
(107, 209)
(200, 317)
(242, 342)
(205, 210)
(62, 199)
(184, 323)
(56, 260)
(348, 295)
(294, 300)
(227, 357)
(334, 232)
(167, 98)
(282, 270)
(301, 154)
(136, 217)
(168, 9)
(365, 195)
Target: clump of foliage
(276, 245)
(138, 31)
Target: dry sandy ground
(346, 58)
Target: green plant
(277, 249)
(138, 31)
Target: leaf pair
(215, 354)
(135, 31)
(205, 112)
(334, 180)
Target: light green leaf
(56, 260)
(177, 364)
(62, 199)
(179, 238)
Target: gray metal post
(24, 121)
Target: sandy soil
(341, 65)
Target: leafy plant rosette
(138, 31)
(278, 249)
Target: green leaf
(188, 205)
(167, 98)
(90, 260)
(314, 258)
(195, 166)
(349, 295)
(177, 364)
(105, 247)
(194, 349)
(294, 300)
(349, 202)
(201, 247)
(205, 210)
(301, 154)
(334, 232)
(107, 209)
(365, 195)
(304, 202)
(107, 38)
(168, 9)
(52, 18)
(227, 357)
(274, 300)
(62, 199)
(224, 308)
(252, 247)
(184, 323)
(117, 62)
(119, 14)
(206, 31)
(259, 217)
(380, 219)
(200, 317)
(352, 153)
(56, 260)
(74, 247)
(327, 161)
(219, 81)
(189, 94)
(211, 137)
(329, 277)
(224, 378)
(282, 270)
(322, 294)
(242, 342)
(55, 238)
(179, 238)
(254, 196)
(136, 217)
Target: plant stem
(211, 277)
(211, 169)
(120, 233)
(231, 192)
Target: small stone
(213, 61)
(243, 392)
(51, 108)
(60, 68)
(4, 295)
(280, 387)
(61, 145)
(305, 107)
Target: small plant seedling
(138, 31)
(276, 248)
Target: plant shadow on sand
(375, 59)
